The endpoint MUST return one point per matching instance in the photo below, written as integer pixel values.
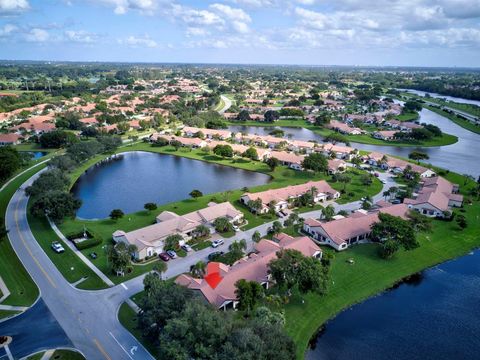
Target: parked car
(214, 255)
(396, 201)
(376, 174)
(172, 254)
(236, 228)
(187, 248)
(93, 255)
(57, 247)
(164, 256)
(383, 181)
(217, 243)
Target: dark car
(93, 255)
(164, 256)
(214, 255)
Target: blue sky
(319, 32)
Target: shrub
(93, 239)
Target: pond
(461, 157)
(140, 177)
(434, 315)
(35, 154)
(440, 96)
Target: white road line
(124, 286)
(114, 338)
(9, 354)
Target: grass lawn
(281, 177)
(7, 313)
(23, 291)
(370, 275)
(37, 356)
(69, 264)
(66, 355)
(445, 139)
(407, 117)
(457, 120)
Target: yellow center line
(101, 349)
(29, 251)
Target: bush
(93, 239)
(88, 243)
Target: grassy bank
(445, 139)
(281, 177)
(370, 275)
(457, 120)
(23, 291)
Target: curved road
(227, 102)
(89, 318)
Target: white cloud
(121, 7)
(134, 41)
(195, 17)
(196, 31)
(231, 13)
(8, 7)
(37, 35)
(7, 30)
(80, 36)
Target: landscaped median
(281, 177)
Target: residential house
(280, 198)
(345, 231)
(10, 139)
(218, 284)
(209, 133)
(289, 159)
(336, 166)
(344, 128)
(385, 134)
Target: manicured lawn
(352, 283)
(281, 177)
(7, 313)
(457, 120)
(69, 264)
(37, 356)
(407, 117)
(22, 288)
(66, 355)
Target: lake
(461, 157)
(431, 316)
(140, 177)
(440, 96)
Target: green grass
(445, 139)
(370, 275)
(281, 177)
(128, 318)
(37, 356)
(466, 124)
(66, 355)
(23, 291)
(7, 313)
(407, 117)
(68, 263)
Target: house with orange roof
(209, 133)
(346, 231)
(218, 285)
(10, 139)
(281, 198)
(336, 166)
(289, 159)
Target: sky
(310, 32)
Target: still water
(440, 96)
(141, 177)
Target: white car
(217, 243)
(383, 181)
(187, 247)
(236, 228)
(57, 247)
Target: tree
(222, 224)
(196, 193)
(116, 214)
(256, 237)
(418, 155)
(48, 181)
(225, 151)
(366, 179)
(243, 116)
(395, 229)
(419, 221)
(172, 242)
(109, 143)
(10, 161)
(461, 221)
(176, 144)
(150, 206)
(272, 163)
(3, 229)
(201, 231)
(56, 205)
(264, 315)
(198, 269)
(255, 205)
(277, 227)
(84, 150)
(271, 116)
(62, 162)
(328, 212)
(316, 162)
(388, 248)
(119, 256)
(345, 179)
(161, 302)
(251, 153)
(57, 139)
(248, 294)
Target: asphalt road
(227, 102)
(89, 318)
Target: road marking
(30, 251)
(126, 352)
(9, 354)
(124, 286)
(101, 349)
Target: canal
(136, 178)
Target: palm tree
(119, 256)
(198, 270)
(238, 245)
(386, 194)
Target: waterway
(140, 177)
(461, 157)
(440, 96)
(433, 315)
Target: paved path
(227, 102)
(89, 318)
(4, 292)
